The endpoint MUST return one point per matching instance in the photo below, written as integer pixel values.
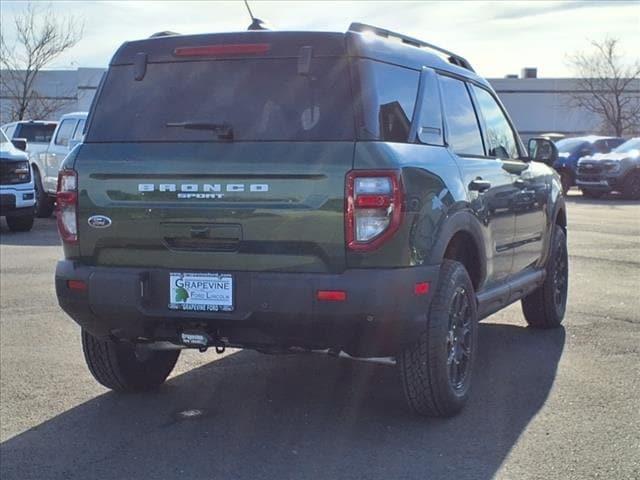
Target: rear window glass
(388, 96)
(260, 99)
(37, 132)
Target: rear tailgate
(220, 152)
(256, 206)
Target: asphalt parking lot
(546, 404)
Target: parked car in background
(618, 170)
(46, 162)
(17, 195)
(570, 150)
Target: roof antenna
(256, 23)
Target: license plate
(205, 292)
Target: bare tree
(608, 87)
(41, 37)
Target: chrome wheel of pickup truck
(436, 370)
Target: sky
(497, 37)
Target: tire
(566, 180)
(593, 193)
(631, 186)
(118, 367)
(44, 204)
(20, 224)
(433, 380)
(545, 306)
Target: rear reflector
(331, 295)
(78, 285)
(373, 201)
(222, 50)
(421, 288)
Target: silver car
(618, 170)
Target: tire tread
(419, 363)
(121, 372)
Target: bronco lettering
(206, 187)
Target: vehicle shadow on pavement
(296, 417)
(43, 234)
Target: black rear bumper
(272, 310)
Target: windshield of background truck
(629, 145)
(260, 99)
(569, 145)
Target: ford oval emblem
(99, 221)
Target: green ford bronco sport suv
(360, 193)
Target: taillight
(67, 205)
(374, 207)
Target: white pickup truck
(46, 158)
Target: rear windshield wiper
(224, 130)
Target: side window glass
(463, 130)
(78, 133)
(64, 132)
(430, 114)
(388, 95)
(502, 142)
(10, 131)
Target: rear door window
(260, 99)
(65, 132)
(500, 137)
(388, 97)
(463, 132)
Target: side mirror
(543, 150)
(20, 143)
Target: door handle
(520, 183)
(479, 185)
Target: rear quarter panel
(433, 191)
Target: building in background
(542, 105)
(536, 105)
(72, 89)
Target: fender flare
(460, 221)
(560, 205)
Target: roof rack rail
(452, 57)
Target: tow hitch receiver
(199, 340)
